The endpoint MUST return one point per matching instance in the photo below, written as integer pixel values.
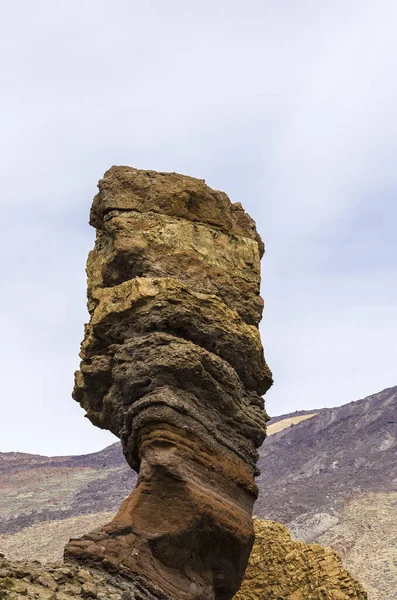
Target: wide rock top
(126, 188)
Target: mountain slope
(35, 488)
(316, 465)
(330, 475)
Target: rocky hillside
(314, 467)
(36, 489)
(278, 568)
(331, 476)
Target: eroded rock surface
(283, 569)
(172, 363)
(57, 581)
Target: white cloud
(288, 107)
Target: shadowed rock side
(172, 363)
(283, 569)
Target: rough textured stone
(89, 590)
(172, 363)
(47, 581)
(34, 585)
(283, 569)
(278, 569)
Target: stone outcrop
(283, 569)
(57, 581)
(278, 569)
(172, 363)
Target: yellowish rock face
(285, 423)
(166, 235)
(205, 258)
(280, 568)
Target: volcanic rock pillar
(172, 363)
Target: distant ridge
(345, 450)
(331, 478)
(319, 463)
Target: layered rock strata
(172, 363)
(282, 568)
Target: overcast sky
(289, 107)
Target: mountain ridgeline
(330, 475)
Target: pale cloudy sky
(289, 107)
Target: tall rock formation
(172, 363)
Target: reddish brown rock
(172, 363)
